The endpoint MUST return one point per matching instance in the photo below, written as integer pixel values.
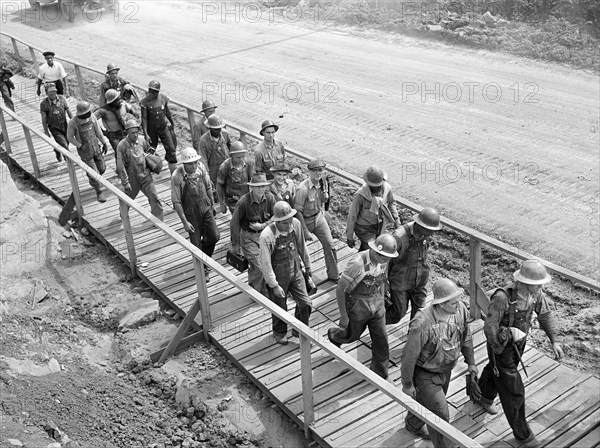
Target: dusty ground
(505, 145)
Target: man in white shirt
(52, 72)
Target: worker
(114, 114)
(233, 177)
(250, 217)
(269, 151)
(132, 168)
(112, 81)
(157, 122)
(192, 197)
(55, 110)
(360, 298)
(214, 146)
(436, 336)
(84, 132)
(373, 208)
(409, 272)
(283, 252)
(506, 327)
(6, 87)
(282, 188)
(309, 201)
(52, 71)
(200, 128)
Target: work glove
(473, 390)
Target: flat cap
(316, 164)
(48, 53)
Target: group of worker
(272, 221)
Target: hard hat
(316, 164)
(282, 211)
(532, 272)
(374, 176)
(132, 124)
(385, 245)
(189, 155)
(154, 85)
(428, 218)
(267, 124)
(110, 67)
(51, 87)
(445, 289)
(111, 95)
(207, 104)
(214, 122)
(237, 148)
(83, 107)
(258, 180)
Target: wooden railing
(307, 335)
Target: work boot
(329, 336)
(422, 432)
(488, 407)
(101, 196)
(283, 340)
(207, 275)
(531, 442)
(58, 156)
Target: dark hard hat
(374, 176)
(111, 95)
(214, 122)
(110, 67)
(428, 218)
(385, 245)
(444, 290)
(267, 124)
(237, 148)
(207, 104)
(154, 85)
(282, 211)
(83, 107)
(532, 272)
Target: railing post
(307, 384)
(191, 121)
(124, 208)
(5, 132)
(203, 297)
(244, 138)
(75, 189)
(16, 50)
(33, 58)
(80, 82)
(475, 276)
(32, 155)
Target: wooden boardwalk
(563, 404)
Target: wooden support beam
(186, 342)
(75, 189)
(475, 276)
(5, 133)
(32, 155)
(244, 138)
(307, 385)
(203, 297)
(16, 50)
(124, 208)
(181, 331)
(33, 57)
(191, 121)
(80, 82)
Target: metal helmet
(189, 155)
(428, 218)
(207, 104)
(131, 123)
(374, 176)
(267, 124)
(83, 107)
(111, 95)
(237, 148)
(110, 67)
(282, 211)
(532, 272)
(154, 85)
(214, 122)
(445, 289)
(385, 245)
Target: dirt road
(507, 146)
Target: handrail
(475, 236)
(308, 335)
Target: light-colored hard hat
(282, 211)
(428, 218)
(189, 155)
(385, 245)
(532, 272)
(445, 289)
(111, 95)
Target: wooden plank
(129, 236)
(590, 440)
(474, 276)
(579, 429)
(181, 332)
(186, 342)
(307, 384)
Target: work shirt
(55, 112)
(498, 316)
(199, 129)
(74, 136)
(435, 341)
(50, 74)
(214, 152)
(369, 210)
(266, 156)
(267, 246)
(131, 161)
(285, 192)
(359, 267)
(234, 179)
(309, 199)
(249, 210)
(107, 85)
(179, 177)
